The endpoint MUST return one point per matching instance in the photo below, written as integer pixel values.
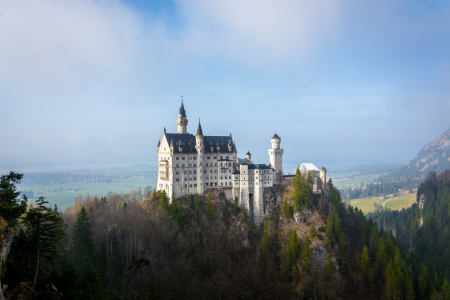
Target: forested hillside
(424, 231)
(433, 157)
(205, 247)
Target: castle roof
(186, 142)
(248, 153)
(243, 161)
(199, 129)
(275, 136)
(307, 167)
(182, 112)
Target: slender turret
(182, 121)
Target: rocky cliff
(6, 236)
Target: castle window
(226, 183)
(221, 157)
(206, 184)
(185, 179)
(229, 171)
(185, 185)
(215, 183)
(236, 177)
(221, 177)
(190, 185)
(204, 172)
(195, 185)
(229, 177)
(227, 157)
(178, 173)
(177, 180)
(221, 183)
(256, 183)
(215, 171)
(195, 157)
(190, 172)
(195, 172)
(177, 166)
(215, 157)
(182, 158)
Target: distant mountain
(433, 157)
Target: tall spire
(182, 112)
(199, 129)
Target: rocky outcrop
(302, 216)
(6, 236)
(319, 258)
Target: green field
(59, 194)
(350, 179)
(404, 199)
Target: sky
(96, 81)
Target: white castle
(191, 164)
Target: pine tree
(446, 288)
(329, 266)
(90, 286)
(83, 243)
(306, 256)
(235, 207)
(45, 230)
(210, 208)
(329, 229)
(298, 187)
(164, 201)
(287, 210)
(10, 207)
(364, 263)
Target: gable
(164, 148)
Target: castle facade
(190, 164)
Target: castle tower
(248, 157)
(276, 158)
(182, 121)
(199, 145)
(323, 178)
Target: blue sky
(340, 81)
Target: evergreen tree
(306, 256)
(298, 191)
(210, 208)
(90, 287)
(446, 288)
(45, 230)
(83, 243)
(364, 263)
(164, 201)
(329, 266)
(329, 229)
(10, 207)
(287, 210)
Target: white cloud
(258, 31)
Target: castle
(190, 164)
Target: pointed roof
(230, 141)
(248, 153)
(182, 112)
(171, 143)
(275, 136)
(199, 129)
(159, 143)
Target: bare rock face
(335, 265)
(302, 216)
(6, 237)
(318, 257)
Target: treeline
(204, 247)
(424, 231)
(381, 189)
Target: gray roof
(182, 111)
(248, 153)
(275, 136)
(199, 129)
(187, 143)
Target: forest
(207, 247)
(424, 231)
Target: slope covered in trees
(204, 247)
(424, 231)
(433, 157)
